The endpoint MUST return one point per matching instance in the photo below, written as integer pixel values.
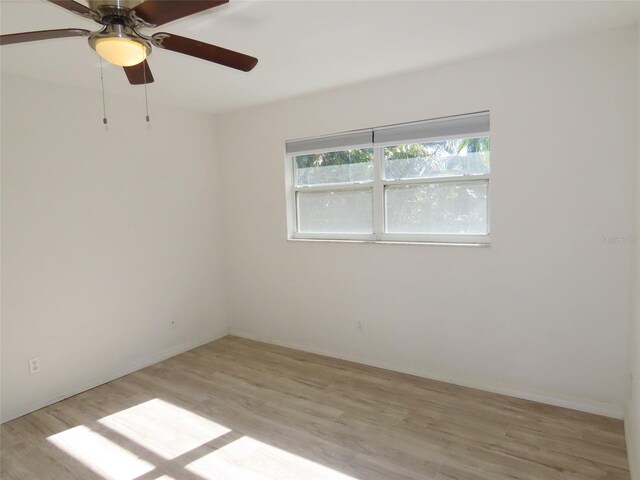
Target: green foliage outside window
(356, 155)
(414, 150)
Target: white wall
(108, 234)
(543, 313)
(632, 414)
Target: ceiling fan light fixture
(120, 42)
(121, 51)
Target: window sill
(390, 242)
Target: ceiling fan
(121, 43)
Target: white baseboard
(598, 408)
(117, 372)
(574, 404)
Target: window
(417, 182)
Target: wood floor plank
(239, 409)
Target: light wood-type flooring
(238, 409)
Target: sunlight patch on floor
(250, 459)
(163, 428)
(102, 456)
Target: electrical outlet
(360, 325)
(172, 324)
(34, 365)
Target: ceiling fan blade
(42, 35)
(74, 7)
(159, 12)
(205, 51)
(137, 74)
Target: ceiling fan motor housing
(126, 4)
(118, 34)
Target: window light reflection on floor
(163, 432)
(250, 459)
(102, 456)
(163, 428)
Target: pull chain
(146, 100)
(104, 108)
(145, 65)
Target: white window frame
(377, 187)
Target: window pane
(437, 208)
(346, 166)
(340, 211)
(462, 156)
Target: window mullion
(448, 179)
(294, 194)
(378, 193)
(338, 187)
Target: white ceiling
(303, 46)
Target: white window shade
(341, 141)
(460, 126)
